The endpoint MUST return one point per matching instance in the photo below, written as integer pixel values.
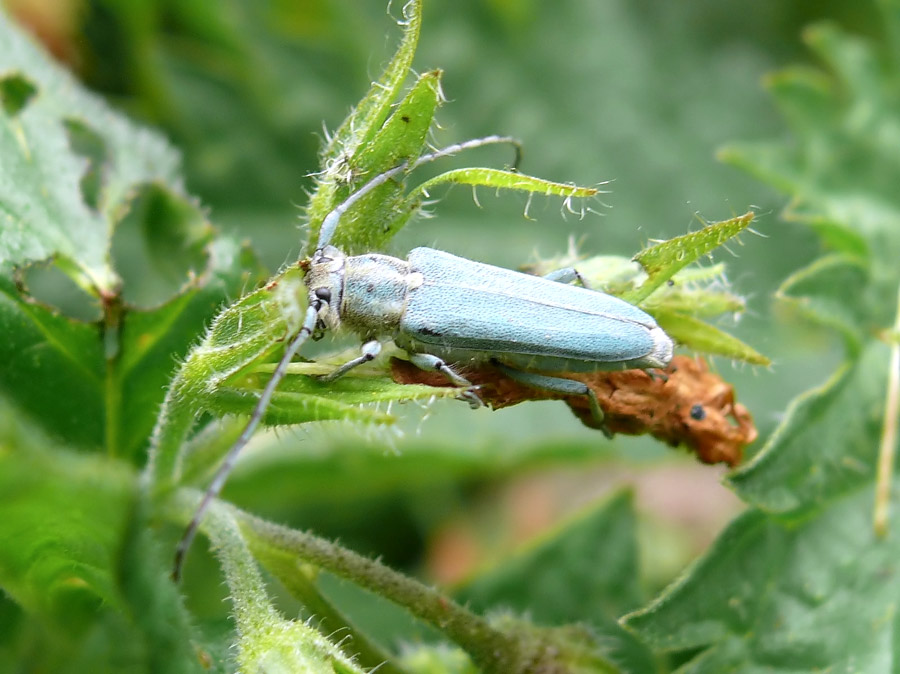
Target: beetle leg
(558, 385)
(368, 352)
(567, 275)
(425, 361)
(657, 374)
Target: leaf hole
(49, 285)
(159, 246)
(87, 143)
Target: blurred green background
(640, 93)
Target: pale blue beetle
(445, 310)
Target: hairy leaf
(817, 594)
(41, 178)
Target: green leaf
(664, 260)
(356, 137)
(690, 292)
(300, 399)
(53, 369)
(152, 342)
(842, 172)
(582, 571)
(369, 144)
(585, 571)
(73, 169)
(508, 180)
(378, 215)
(62, 517)
(695, 334)
(243, 334)
(44, 204)
(366, 119)
(161, 245)
(818, 595)
(170, 641)
(697, 291)
(77, 556)
(57, 370)
(802, 582)
(831, 292)
(826, 445)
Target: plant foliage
(113, 425)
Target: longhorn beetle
(445, 310)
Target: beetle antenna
(470, 144)
(330, 223)
(218, 481)
(326, 232)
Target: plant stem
(490, 649)
(300, 582)
(887, 450)
(112, 328)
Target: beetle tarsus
(471, 396)
(426, 361)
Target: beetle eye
(323, 294)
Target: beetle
(445, 311)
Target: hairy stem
(493, 650)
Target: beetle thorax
(365, 293)
(375, 293)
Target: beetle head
(325, 282)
